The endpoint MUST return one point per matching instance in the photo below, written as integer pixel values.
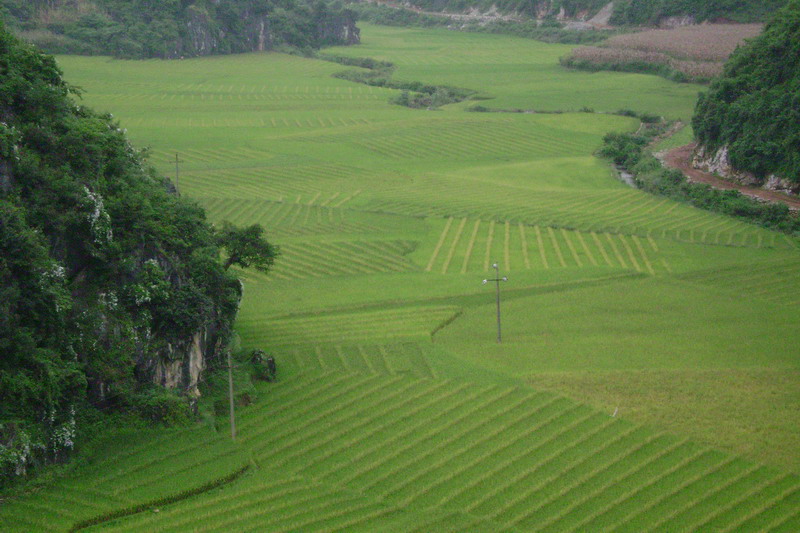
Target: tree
(247, 247)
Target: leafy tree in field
(754, 108)
(246, 247)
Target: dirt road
(681, 159)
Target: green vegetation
(625, 13)
(104, 273)
(549, 31)
(754, 108)
(629, 152)
(598, 59)
(415, 94)
(394, 408)
(514, 59)
(651, 12)
(535, 8)
(172, 29)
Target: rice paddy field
(648, 378)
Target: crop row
(316, 259)
(150, 469)
(397, 323)
(249, 121)
(521, 459)
(284, 503)
(631, 213)
(777, 281)
(696, 227)
(410, 358)
(478, 140)
(469, 246)
(311, 184)
(365, 452)
(207, 91)
(217, 155)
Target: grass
(395, 409)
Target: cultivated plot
(395, 408)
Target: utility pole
(497, 281)
(230, 397)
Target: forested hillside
(626, 12)
(111, 286)
(750, 117)
(535, 8)
(654, 12)
(178, 28)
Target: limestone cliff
(142, 28)
(109, 282)
(718, 162)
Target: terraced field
(647, 375)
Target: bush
(627, 150)
(161, 406)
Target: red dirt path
(681, 159)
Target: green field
(648, 378)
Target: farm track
(681, 159)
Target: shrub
(627, 150)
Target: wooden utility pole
(230, 396)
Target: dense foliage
(535, 8)
(596, 59)
(175, 28)
(415, 94)
(652, 12)
(102, 270)
(754, 108)
(626, 12)
(549, 31)
(628, 152)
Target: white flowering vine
(99, 220)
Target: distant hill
(173, 28)
(657, 12)
(530, 8)
(625, 12)
(748, 124)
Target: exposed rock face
(340, 30)
(718, 162)
(205, 37)
(677, 22)
(180, 366)
(201, 39)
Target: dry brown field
(697, 51)
(701, 42)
